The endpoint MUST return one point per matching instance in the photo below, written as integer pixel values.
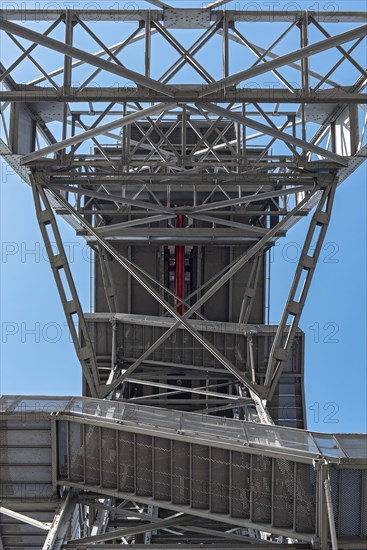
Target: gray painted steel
(234, 472)
(175, 170)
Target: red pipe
(180, 269)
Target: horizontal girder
(248, 15)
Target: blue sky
(37, 356)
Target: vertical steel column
(301, 283)
(305, 64)
(322, 469)
(250, 291)
(108, 283)
(67, 68)
(330, 511)
(147, 45)
(184, 136)
(225, 46)
(180, 269)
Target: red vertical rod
(180, 269)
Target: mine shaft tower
(181, 143)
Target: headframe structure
(181, 152)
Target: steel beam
(148, 206)
(256, 16)
(183, 389)
(216, 4)
(24, 519)
(30, 93)
(222, 518)
(247, 199)
(176, 521)
(250, 291)
(60, 524)
(159, 4)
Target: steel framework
(181, 171)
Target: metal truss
(300, 286)
(66, 287)
(145, 144)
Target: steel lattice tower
(182, 153)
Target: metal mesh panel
(126, 462)
(350, 502)
(234, 483)
(109, 458)
(93, 463)
(62, 449)
(200, 476)
(283, 497)
(162, 469)
(261, 489)
(181, 472)
(143, 465)
(240, 487)
(75, 454)
(219, 481)
(305, 498)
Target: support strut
(180, 270)
(66, 287)
(297, 296)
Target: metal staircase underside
(241, 474)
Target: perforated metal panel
(187, 19)
(236, 485)
(348, 490)
(240, 473)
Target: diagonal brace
(242, 260)
(287, 138)
(180, 320)
(120, 123)
(296, 55)
(76, 53)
